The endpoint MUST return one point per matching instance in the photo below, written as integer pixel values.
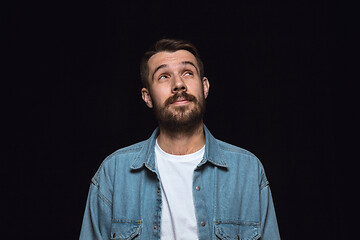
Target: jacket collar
(146, 156)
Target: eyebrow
(166, 65)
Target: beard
(180, 119)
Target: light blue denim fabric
(231, 195)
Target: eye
(188, 74)
(162, 77)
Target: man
(181, 183)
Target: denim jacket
(231, 194)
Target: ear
(206, 86)
(145, 94)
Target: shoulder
(132, 149)
(120, 159)
(238, 152)
(243, 160)
(229, 148)
(228, 153)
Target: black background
(72, 97)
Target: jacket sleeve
(269, 226)
(96, 223)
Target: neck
(182, 143)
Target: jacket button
(203, 223)
(197, 188)
(114, 235)
(155, 227)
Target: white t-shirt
(178, 220)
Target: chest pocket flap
(237, 230)
(125, 229)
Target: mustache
(176, 96)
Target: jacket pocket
(125, 229)
(237, 230)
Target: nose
(178, 85)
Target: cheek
(158, 97)
(198, 90)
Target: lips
(180, 102)
(179, 98)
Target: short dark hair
(168, 45)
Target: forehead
(170, 58)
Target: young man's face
(176, 91)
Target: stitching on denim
(133, 234)
(120, 220)
(216, 193)
(149, 166)
(135, 148)
(143, 162)
(264, 181)
(217, 163)
(123, 151)
(96, 177)
(127, 150)
(102, 197)
(264, 184)
(219, 231)
(237, 222)
(93, 181)
(232, 148)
